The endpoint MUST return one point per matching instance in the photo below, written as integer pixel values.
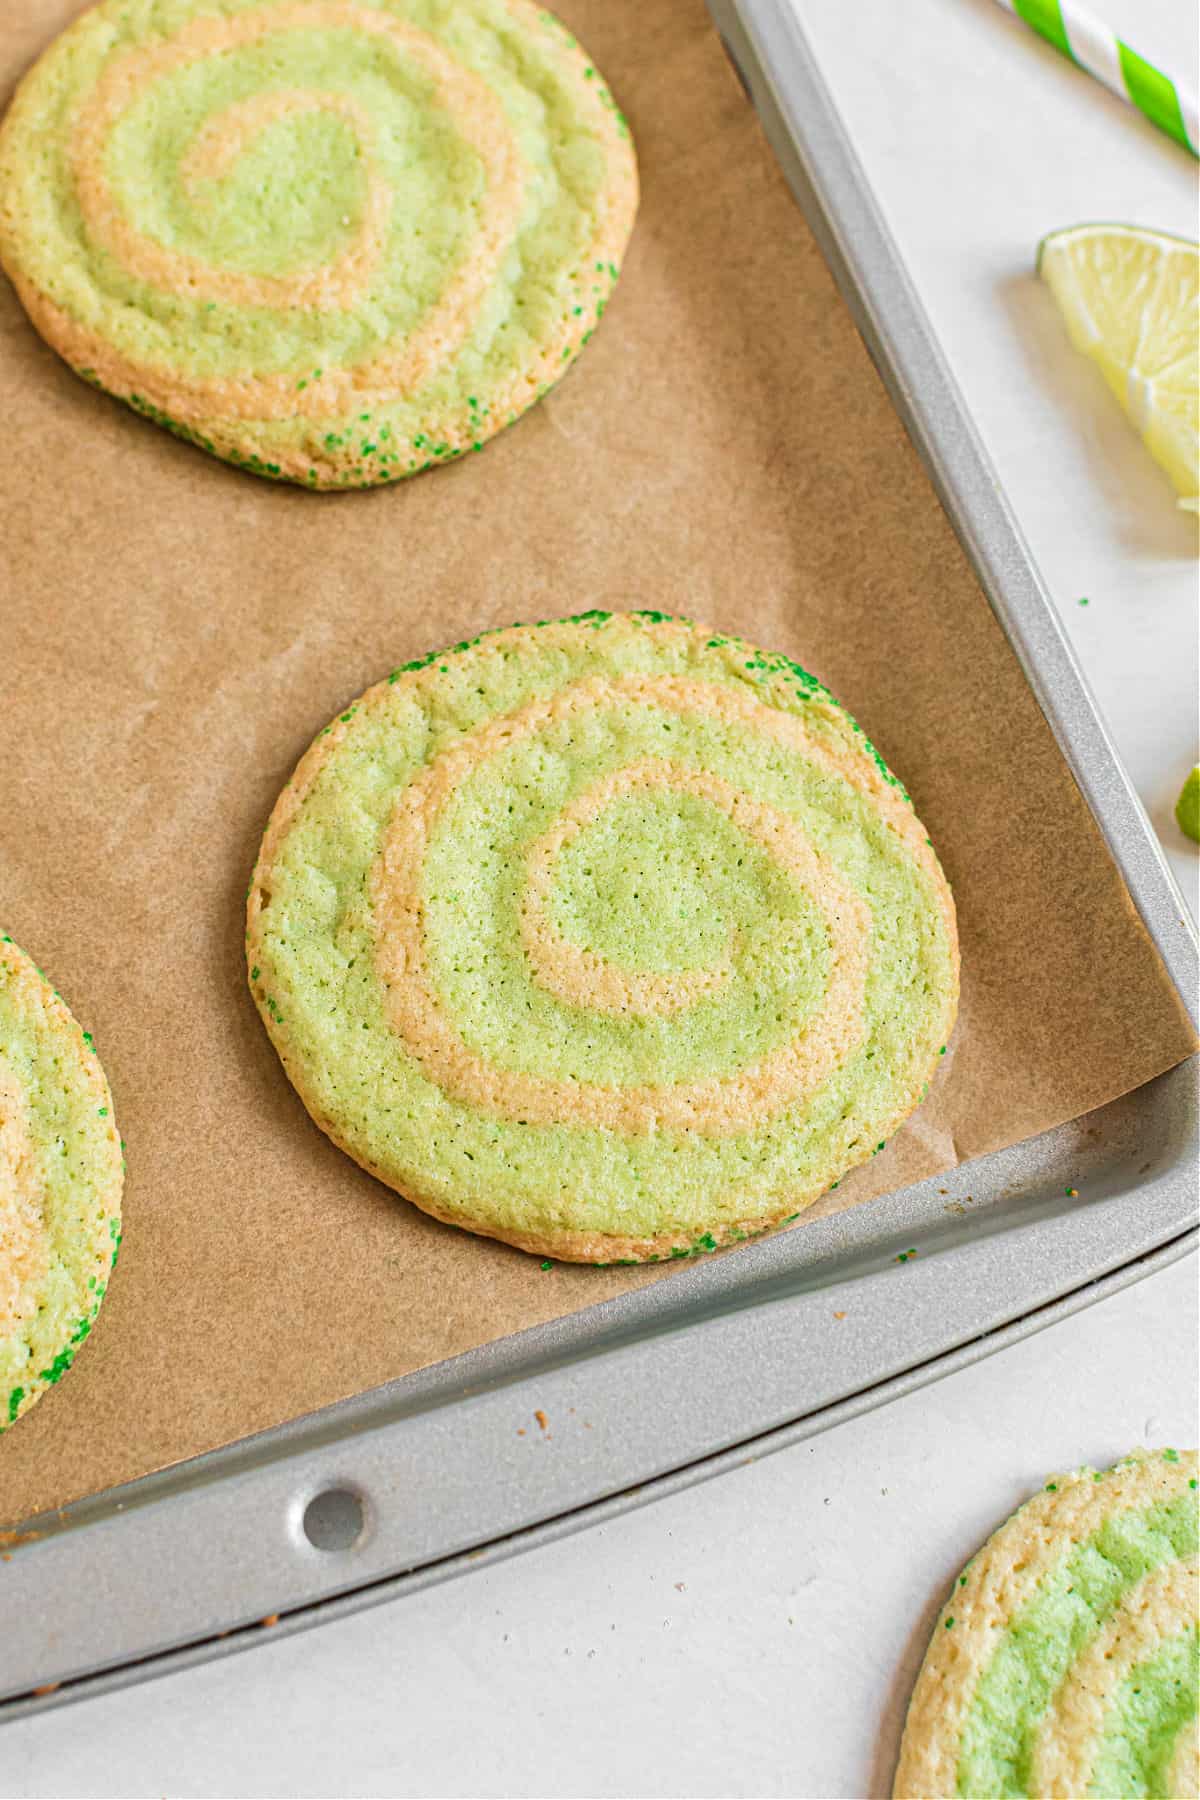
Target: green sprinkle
(103, 1111)
(1052, 1487)
(58, 1367)
(1171, 1456)
(1084, 601)
(547, 1264)
(949, 1624)
(18, 1393)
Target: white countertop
(758, 1634)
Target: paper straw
(1166, 103)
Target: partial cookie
(333, 241)
(61, 1174)
(611, 937)
(1065, 1660)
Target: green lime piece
(1187, 807)
(1129, 298)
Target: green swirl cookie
(61, 1174)
(1065, 1660)
(333, 241)
(611, 937)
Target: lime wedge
(1130, 300)
(1187, 807)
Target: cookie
(1065, 1660)
(334, 242)
(610, 937)
(61, 1174)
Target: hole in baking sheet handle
(335, 1519)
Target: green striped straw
(1100, 51)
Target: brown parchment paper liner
(173, 633)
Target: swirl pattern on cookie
(61, 1174)
(1065, 1660)
(611, 937)
(333, 241)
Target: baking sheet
(173, 634)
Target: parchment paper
(173, 633)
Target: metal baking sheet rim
(1102, 1247)
(359, 1599)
